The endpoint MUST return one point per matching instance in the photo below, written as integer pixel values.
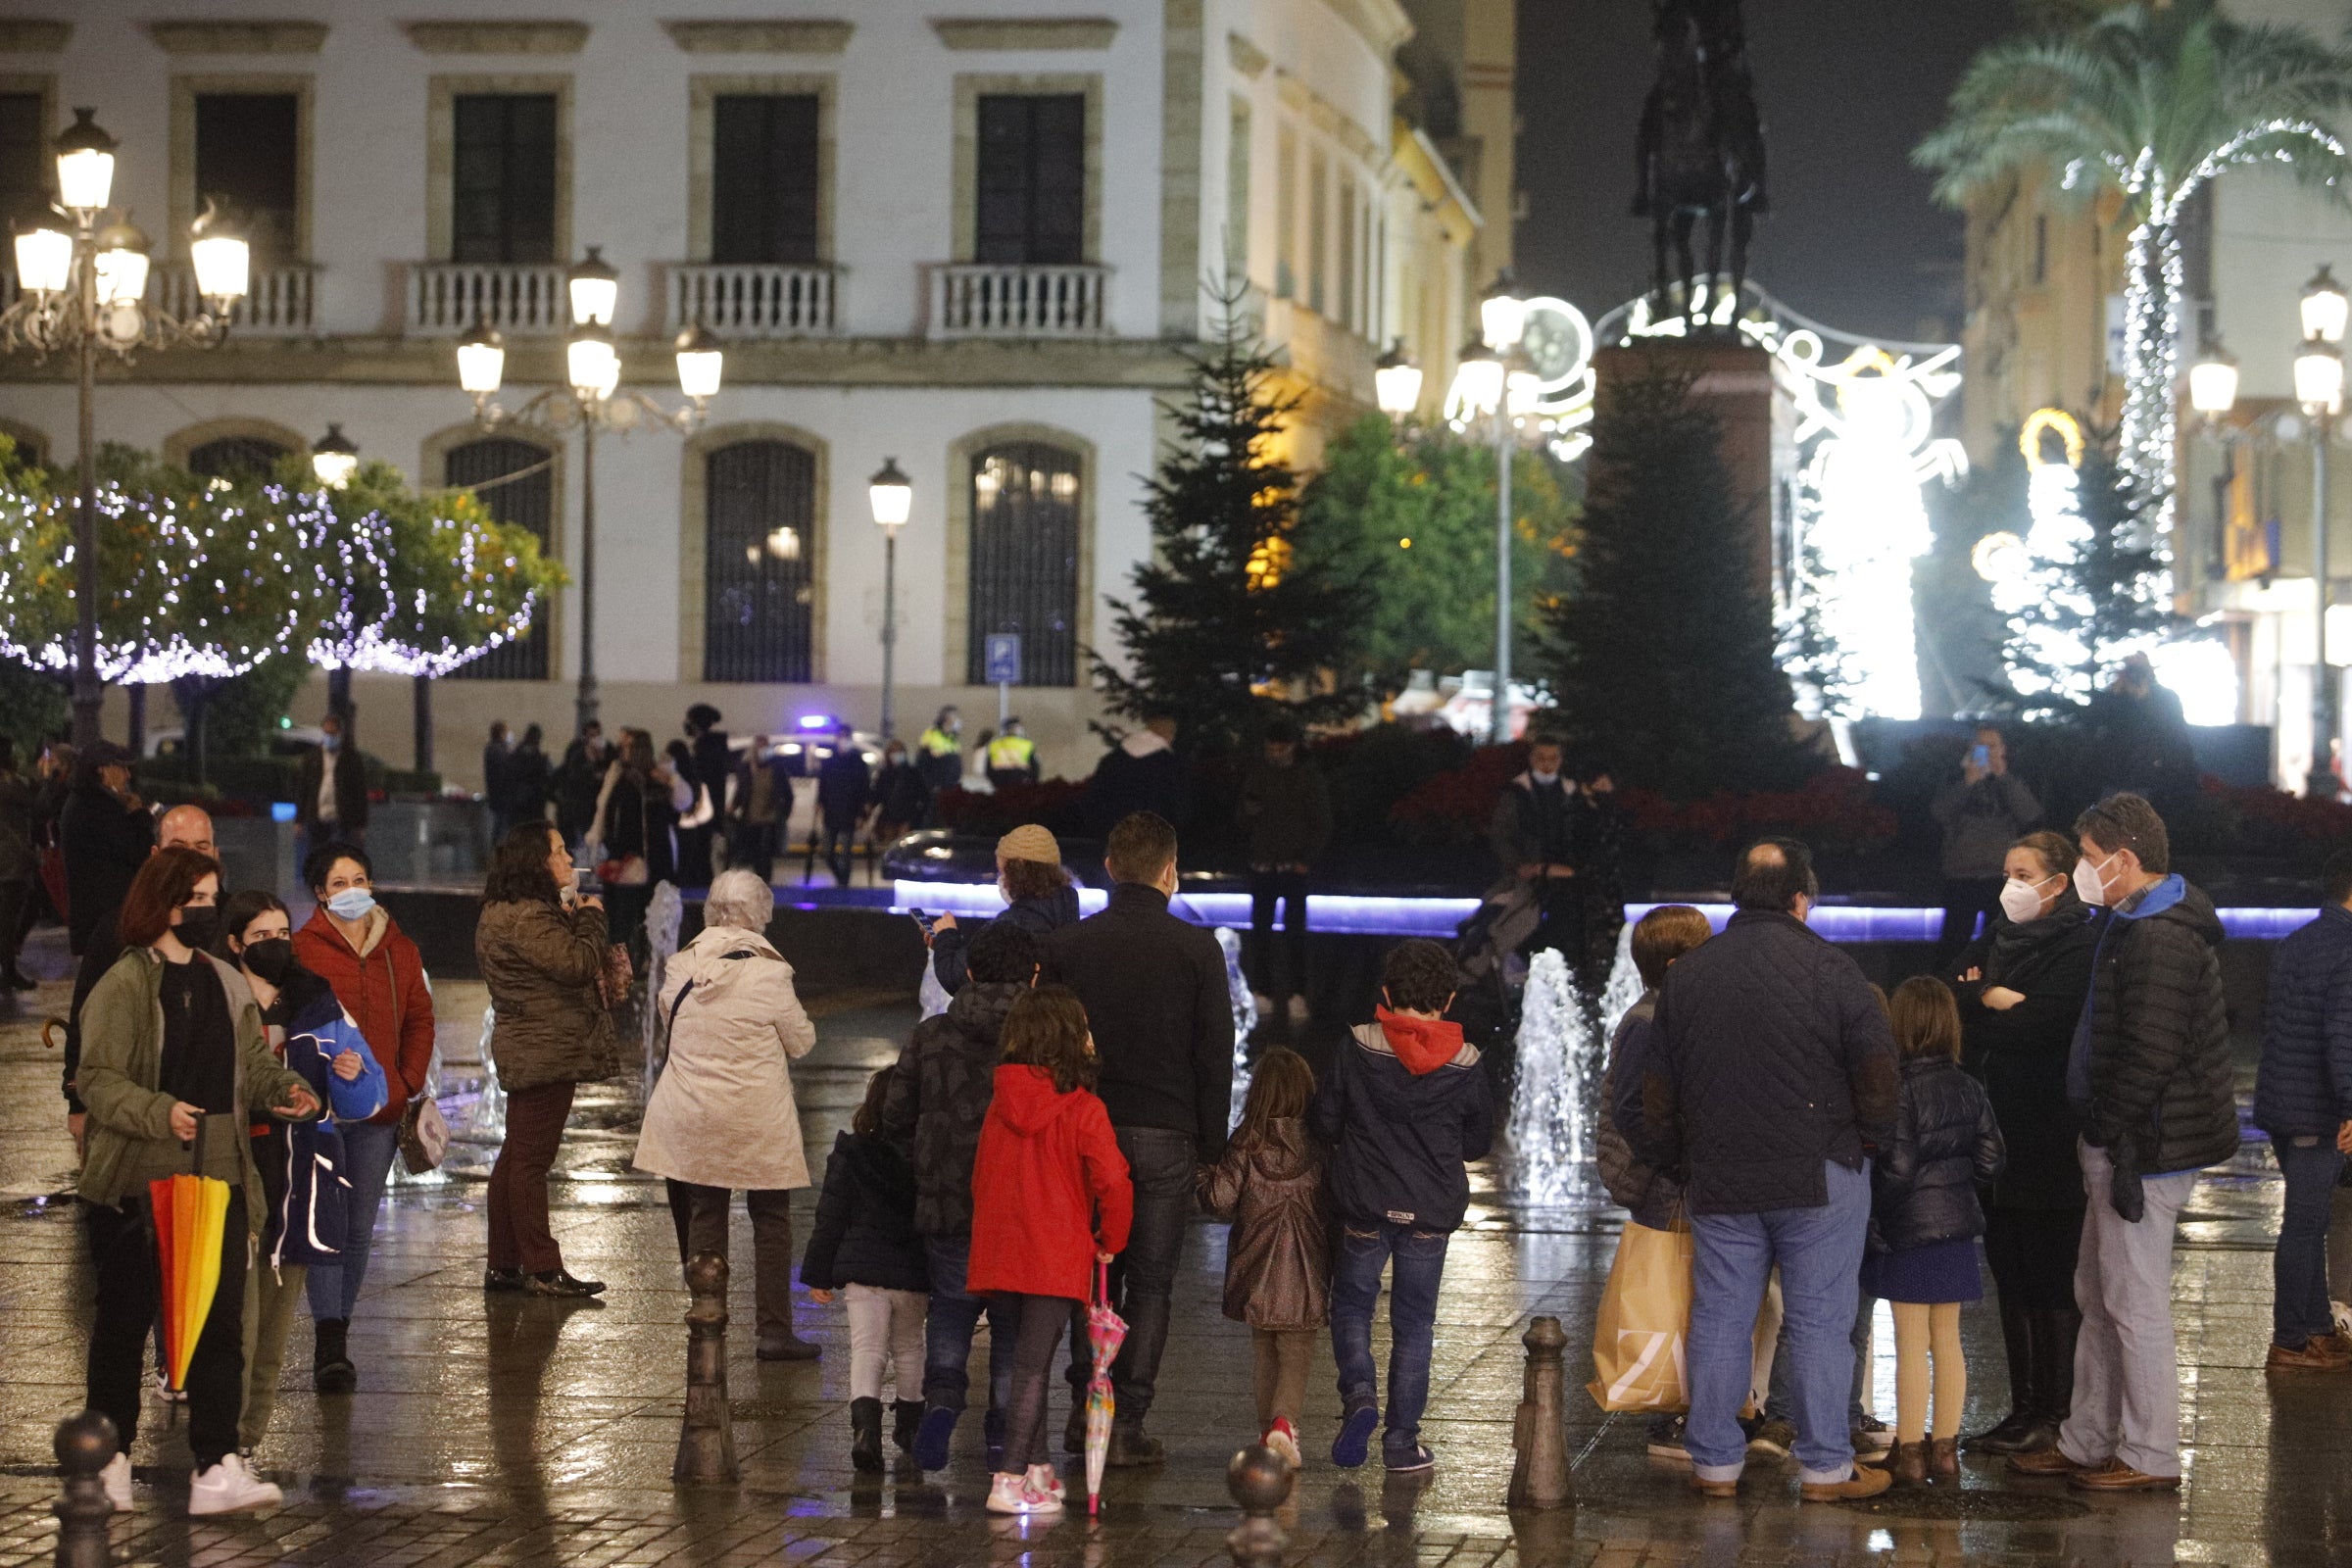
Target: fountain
(1554, 1104)
(662, 918)
(1244, 1019)
(1625, 986)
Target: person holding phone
(1982, 812)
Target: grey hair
(739, 899)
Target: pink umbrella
(1105, 1331)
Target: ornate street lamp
(333, 457)
(2213, 382)
(2320, 388)
(1502, 322)
(2325, 306)
(891, 494)
(591, 399)
(83, 288)
(1396, 382)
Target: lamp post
(592, 399)
(1501, 320)
(1396, 382)
(83, 288)
(891, 496)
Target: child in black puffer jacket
(1924, 1221)
(865, 1246)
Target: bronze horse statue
(1701, 151)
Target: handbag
(623, 871)
(423, 1135)
(1644, 1318)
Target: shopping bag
(1645, 1315)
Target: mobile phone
(924, 920)
(1981, 756)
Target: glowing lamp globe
(85, 164)
(2213, 383)
(2319, 376)
(121, 265)
(594, 289)
(2325, 306)
(335, 459)
(222, 261)
(892, 494)
(1503, 315)
(481, 360)
(1396, 382)
(1477, 382)
(700, 360)
(44, 259)
(591, 364)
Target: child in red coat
(1050, 1198)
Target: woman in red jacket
(1050, 1198)
(376, 971)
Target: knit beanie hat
(1029, 842)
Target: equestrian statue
(1700, 153)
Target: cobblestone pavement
(509, 1430)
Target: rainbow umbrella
(191, 1216)
(1105, 1331)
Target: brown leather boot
(1944, 1459)
(1910, 1465)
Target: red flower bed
(1051, 802)
(2274, 813)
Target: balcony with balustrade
(444, 299)
(280, 300)
(753, 300)
(1017, 300)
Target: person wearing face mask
(175, 1067)
(330, 790)
(301, 1163)
(352, 943)
(1038, 893)
(2150, 1074)
(1533, 835)
(2021, 988)
(902, 800)
(1981, 810)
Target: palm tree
(2150, 101)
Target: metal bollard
(1540, 1479)
(1260, 1483)
(707, 1438)
(85, 1446)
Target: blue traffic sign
(1005, 658)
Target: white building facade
(978, 244)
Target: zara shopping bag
(1645, 1315)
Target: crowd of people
(2047, 1095)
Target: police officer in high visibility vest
(939, 752)
(1012, 757)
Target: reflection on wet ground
(502, 1430)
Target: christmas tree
(2087, 593)
(1662, 660)
(1225, 625)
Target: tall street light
(83, 288)
(891, 496)
(1501, 320)
(592, 400)
(2320, 388)
(1396, 382)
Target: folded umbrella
(1105, 1331)
(191, 1218)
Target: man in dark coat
(577, 779)
(1982, 812)
(496, 753)
(20, 864)
(2303, 1099)
(2150, 1075)
(1533, 835)
(935, 1102)
(330, 792)
(1141, 773)
(1771, 1076)
(1286, 807)
(844, 789)
(1155, 992)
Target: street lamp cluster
(83, 288)
(2319, 370)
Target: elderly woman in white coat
(722, 1117)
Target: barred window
(1024, 567)
(759, 594)
(235, 456)
(529, 500)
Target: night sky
(1846, 89)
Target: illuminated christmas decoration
(1550, 383)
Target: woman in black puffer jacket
(1926, 1216)
(2021, 990)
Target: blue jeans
(2300, 1265)
(1419, 1259)
(1864, 1407)
(369, 1147)
(1818, 1252)
(947, 1330)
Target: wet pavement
(509, 1430)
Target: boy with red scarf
(1403, 1109)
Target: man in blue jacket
(2303, 1099)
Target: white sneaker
(230, 1488)
(116, 1478)
(165, 1392)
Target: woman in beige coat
(722, 1118)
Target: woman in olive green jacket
(174, 1066)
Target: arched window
(235, 456)
(528, 500)
(759, 593)
(1025, 507)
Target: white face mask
(2089, 886)
(1546, 779)
(2021, 901)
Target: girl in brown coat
(1278, 1258)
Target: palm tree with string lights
(2152, 102)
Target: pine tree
(1662, 661)
(1225, 626)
